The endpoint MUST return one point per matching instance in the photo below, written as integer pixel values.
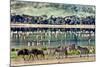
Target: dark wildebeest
(83, 50)
(23, 52)
(36, 53)
(61, 51)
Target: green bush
(74, 52)
(66, 53)
(13, 49)
(44, 48)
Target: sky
(45, 8)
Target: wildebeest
(83, 50)
(36, 53)
(71, 20)
(30, 53)
(23, 52)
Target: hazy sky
(37, 8)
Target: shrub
(66, 52)
(74, 52)
(17, 49)
(44, 48)
(13, 49)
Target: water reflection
(51, 38)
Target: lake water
(51, 40)
(54, 44)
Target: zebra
(83, 50)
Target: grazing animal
(37, 52)
(72, 47)
(23, 52)
(83, 50)
(61, 51)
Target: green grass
(13, 54)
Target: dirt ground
(53, 61)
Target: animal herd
(44, 19)
(31, 53)
(57, 52)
